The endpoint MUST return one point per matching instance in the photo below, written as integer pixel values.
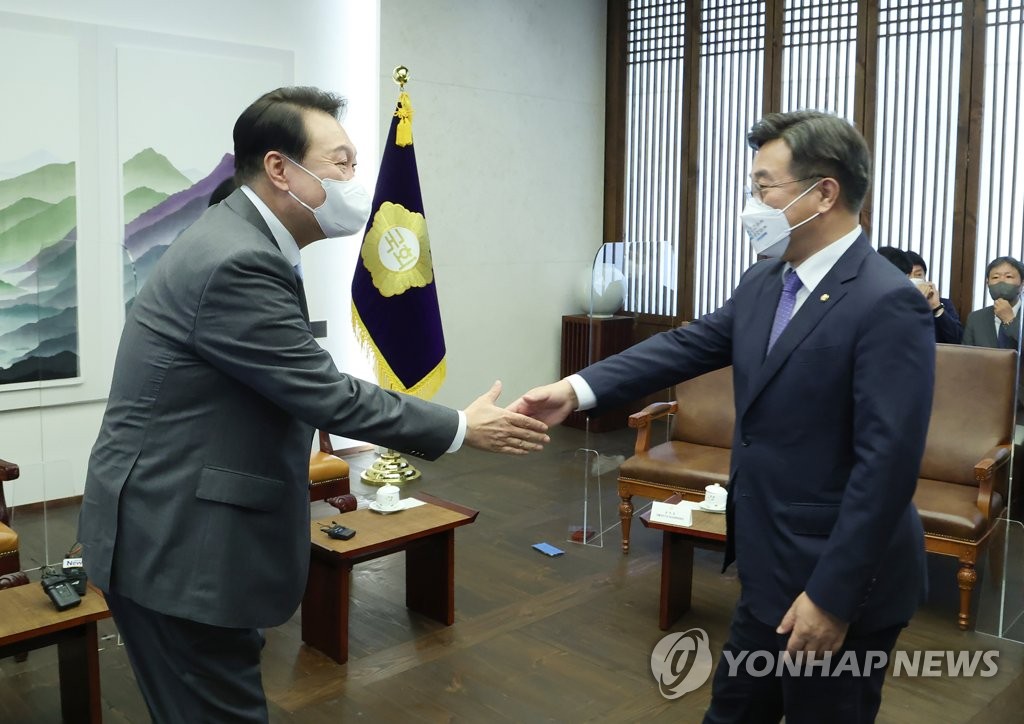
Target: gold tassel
(403, 135)
(425, 389)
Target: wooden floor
(536, 639)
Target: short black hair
(224, 189)
(274, 122)
(1000, 260)
(822, 145)
(898, 257)
(916, 260)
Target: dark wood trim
(866, 91)
(687, 242)
(615, 120)
(774, 19)
(968, 151)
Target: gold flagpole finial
(403, 135)
(401, 76)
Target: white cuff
(584, 395)
(460, 434)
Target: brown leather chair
(328, 477)
(697, 453)
(10, 562)
(962, 489)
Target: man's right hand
(551, 403)
(491, 428)
(1004, 310)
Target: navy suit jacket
(830, 432)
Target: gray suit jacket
(196, 500)
(980, 329)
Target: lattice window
(1000, 214)
(916, 116)
(654, 153)
(731, 98)
(819, 54)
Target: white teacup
(715, 496)
(387, 497)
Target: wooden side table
(29, 621)
(426, 534)
(677, 544)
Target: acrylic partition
(1000, 596)
(601, 330)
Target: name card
(680, 514)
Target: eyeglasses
(757, 190)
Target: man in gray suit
(195, 517)
(998, 325)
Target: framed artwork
(39, 297)
(177, 102)
(118, 140)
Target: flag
(394, 299)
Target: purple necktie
(787, 300)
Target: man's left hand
(811, 628)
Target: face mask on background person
(345, 208)
(1004, 290)
(768, 227)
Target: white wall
(334, 43)
(509, 134)
(509, 129)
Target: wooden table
(677, 543)
(426, 534)
(29, 621)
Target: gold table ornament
(389, 469)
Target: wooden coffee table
(426, 534)
(677, 544)
(29, 621)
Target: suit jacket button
(746, 442)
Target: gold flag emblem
(396, 250)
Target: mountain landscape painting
(38, 271)
(160, 202)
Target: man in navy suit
(834, 360)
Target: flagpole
(390, 468)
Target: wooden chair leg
(966, 577)
(626, 516)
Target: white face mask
(768, 227)
(345, 208)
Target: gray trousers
(191, 672)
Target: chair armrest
(8, 471)
(642, 420)
(985, 472)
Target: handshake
(519, 428)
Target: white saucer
(375, 507)
(710, 510)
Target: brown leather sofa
(962, 489)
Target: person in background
(833, 358)
(195, 515)
(948, 328)
(998, 325)
(947, 321)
